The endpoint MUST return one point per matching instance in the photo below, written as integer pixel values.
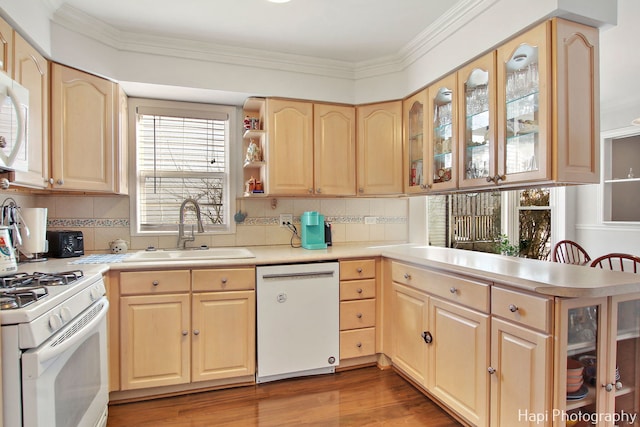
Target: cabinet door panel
(522, 378)
(6, 46)
(31, 70)
(380, 148)
(154, 340)
(83, 111)
(290, 147)
(223, 344)
(334, 150)
(458, 359)
(410, 320)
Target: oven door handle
(72, 335)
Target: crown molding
(86, 25)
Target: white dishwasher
(298, 320)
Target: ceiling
(355, 31)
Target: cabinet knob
(318, 190)
(359, 315)
(491, 370)
(618, 385)
(513, 308)
(310, 191)
(185, 333)
(51, 181)
(196, 332)
(359, 290)
(500, 178)
(359, 270)
(224, 280)
(60, 182)
(359, 345)
(490, 179)
(361, 190)
(608, 387)
(407, 276)
(155, 283)
(427, 337)
(453, 290)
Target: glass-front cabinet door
(581, 361)
(622, 377)
(523, 108)
(477, 99)
(414, 111)
(443, 134)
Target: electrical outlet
(370, 220)
(285, 219)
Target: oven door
(65, 381)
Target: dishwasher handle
(302, 275)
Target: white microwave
(14, 118)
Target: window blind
(177, 158)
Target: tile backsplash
(103, 219)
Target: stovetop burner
(22, 289)
(11, 298)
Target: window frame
(187, 109)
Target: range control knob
(65, 314)
(95, 293)
(55, 322)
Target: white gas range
(54, 348)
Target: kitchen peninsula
(466, 328)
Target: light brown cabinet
(31, 70)
(416, 129)
(310, 148)
(85, 132)
(357, 308)
(6, 47)
(443, 134)
(379, 148)
(254, 143)
(186, 328)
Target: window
(514, 222)
(181, 151)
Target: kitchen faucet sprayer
(182, 240)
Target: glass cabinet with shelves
(477, 95)
(523, 107)
(443, 134)
(415, 142)
(597, 373)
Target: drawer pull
(155, 283)
(491, 370)
(359, 270)
(359, 345)
(196, 332)
(453, 290)
(224, 280)
(185, 333)
(407, 276)
(513, 308)
(427, 337)
(359, 315)
(359, 290)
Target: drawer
(223, 279)
(357, 314)
(357, 269)
(474, 294)
(357, 289)
(529, 310)
(154, 282)
(358, 342)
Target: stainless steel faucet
(182, 239)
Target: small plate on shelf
(580, 394)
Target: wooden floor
(361, 397)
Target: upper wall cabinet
(415, 142)
(84, 132)
(443, 133)
(6, 47)
(548, 120)
(379, 149)
(310, 148)
(31, 70)
(477, 124)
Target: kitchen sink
(189, 254)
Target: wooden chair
(618, 262)
(569, 252)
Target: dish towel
(100, 259)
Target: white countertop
(537, 276)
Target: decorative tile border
(87, 223)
